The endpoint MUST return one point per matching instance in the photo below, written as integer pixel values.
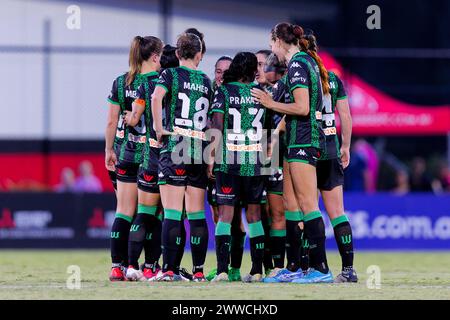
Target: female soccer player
(238, 233)
(182, 179)
(222, 64)
(307, 81)
(261, 79)
(125, 160)
(331, 165)
(238, 161)
(147, 224)
(274, 70)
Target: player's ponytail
(308, 43)
(141, 49)
(243, 68)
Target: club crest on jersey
(227, 190)
(148, 177)
(121, 171)
(180, 172)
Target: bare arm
(217, 131)
(138, 108)
(110, 132)
(346, 130)
(299, 108)
(157, 98)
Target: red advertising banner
(376, 113)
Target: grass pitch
(43, 275)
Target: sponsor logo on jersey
(329, 131)
(318, 115)
(120, 133)
(190, 133)
(296, 65)
(137, 139)
(227, 190)
(296, 74)
(244, 148)
(154, 143)
(180, 172)
(301, 79)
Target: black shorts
(181, 175)
(330, 174)
(308, 155)
(127, 171)
(233, 190)
(211, 193)
(147, 180)
(113, 177)
(275, 182)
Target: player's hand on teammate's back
(110, 160)
(345, 157)
(163, 132)
(127, 117)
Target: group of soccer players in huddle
(172, 135)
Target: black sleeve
(114, 95)
(218, 102)
(298, 76)
(341, 94)
(165, 80)
(140, 93)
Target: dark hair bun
(298, 31)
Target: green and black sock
(223, 238)
(119, 239)
(278, 247)
(237, 246)
(152, 242)
(315, 233)
(181, 247)
(344, 240)
(199, 239)
(304, 251)
(267, 260)
(171, 238)
(293, 242)
(257, 239)
(141, 229)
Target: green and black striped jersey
(244, 120)
(129, 142)
(152, 147)
(305, 131)
(280, 94)
(337, 92)
(185, 109)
